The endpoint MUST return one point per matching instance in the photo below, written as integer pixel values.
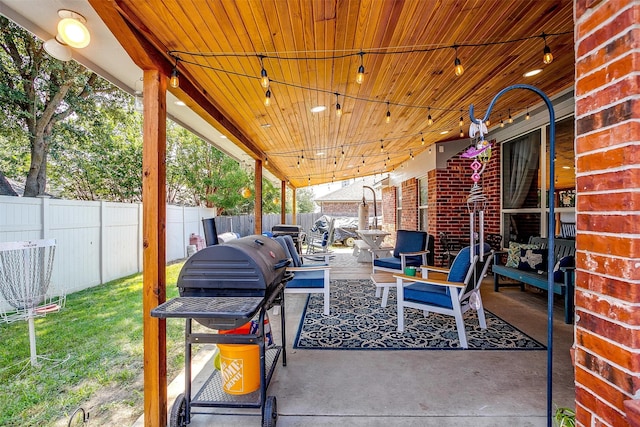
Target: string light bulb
(501, 121)
(461, 133)
(429, 119)
(342, 154)
(527, 117)
(547, 56)
(388, 118)
(267, 98)
(411, 154)
(461, 119)
(458, 68)
(266, 161)
(174, 80)
(338, 107)
(422, 139)
(510, 120)
(264, 79)
(360, 75)
(381, 146)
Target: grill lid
(249, 266)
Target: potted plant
(565, 417)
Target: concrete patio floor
(412, 388)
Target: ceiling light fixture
(57, 49)
(444, 132)
(388, 118)
(547, 56)
(510, 118)
(72, 30)
(527, 117)
(458, 68)
(338, 107)
(429, 119)
(461, 119)
(532, 73)
(360, 75)
(318, 108)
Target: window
(525, 180)
(423, 197)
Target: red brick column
(608, 210)
(389, 210)
(409, 220)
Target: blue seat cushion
(307, 279)
(430, 294)
(396, 263)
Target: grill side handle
(282, 264)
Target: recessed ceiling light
(318, 108)
(533, 72)
(566, 167)
(266, 125)
(223, 137)
(320, 153)
(180, 103)
(444, 132)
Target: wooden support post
(283, 202)
(154, 246)
(258, 199)
(293, 208)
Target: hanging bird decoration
(480, 152)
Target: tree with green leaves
(200, 174)
(38, 93)
(304, 199)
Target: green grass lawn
(94, 343)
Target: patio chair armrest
(414, 253)
(435, 282)
(497, 257)
(428, 268)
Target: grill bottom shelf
(212, 395)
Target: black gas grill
(252, 266)
(223, 287)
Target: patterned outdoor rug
(357, 322)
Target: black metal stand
(226, 313)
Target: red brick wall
(409, 220)
(349, 209)
(389, 209)
(608, 207)
(448, 191)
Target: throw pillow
(533, 260)
(513, 254)
(567, 261)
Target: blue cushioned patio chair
(308, 278)
(453, 294)
(411, 250)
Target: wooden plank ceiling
(310, 50)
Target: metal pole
(550, 231)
